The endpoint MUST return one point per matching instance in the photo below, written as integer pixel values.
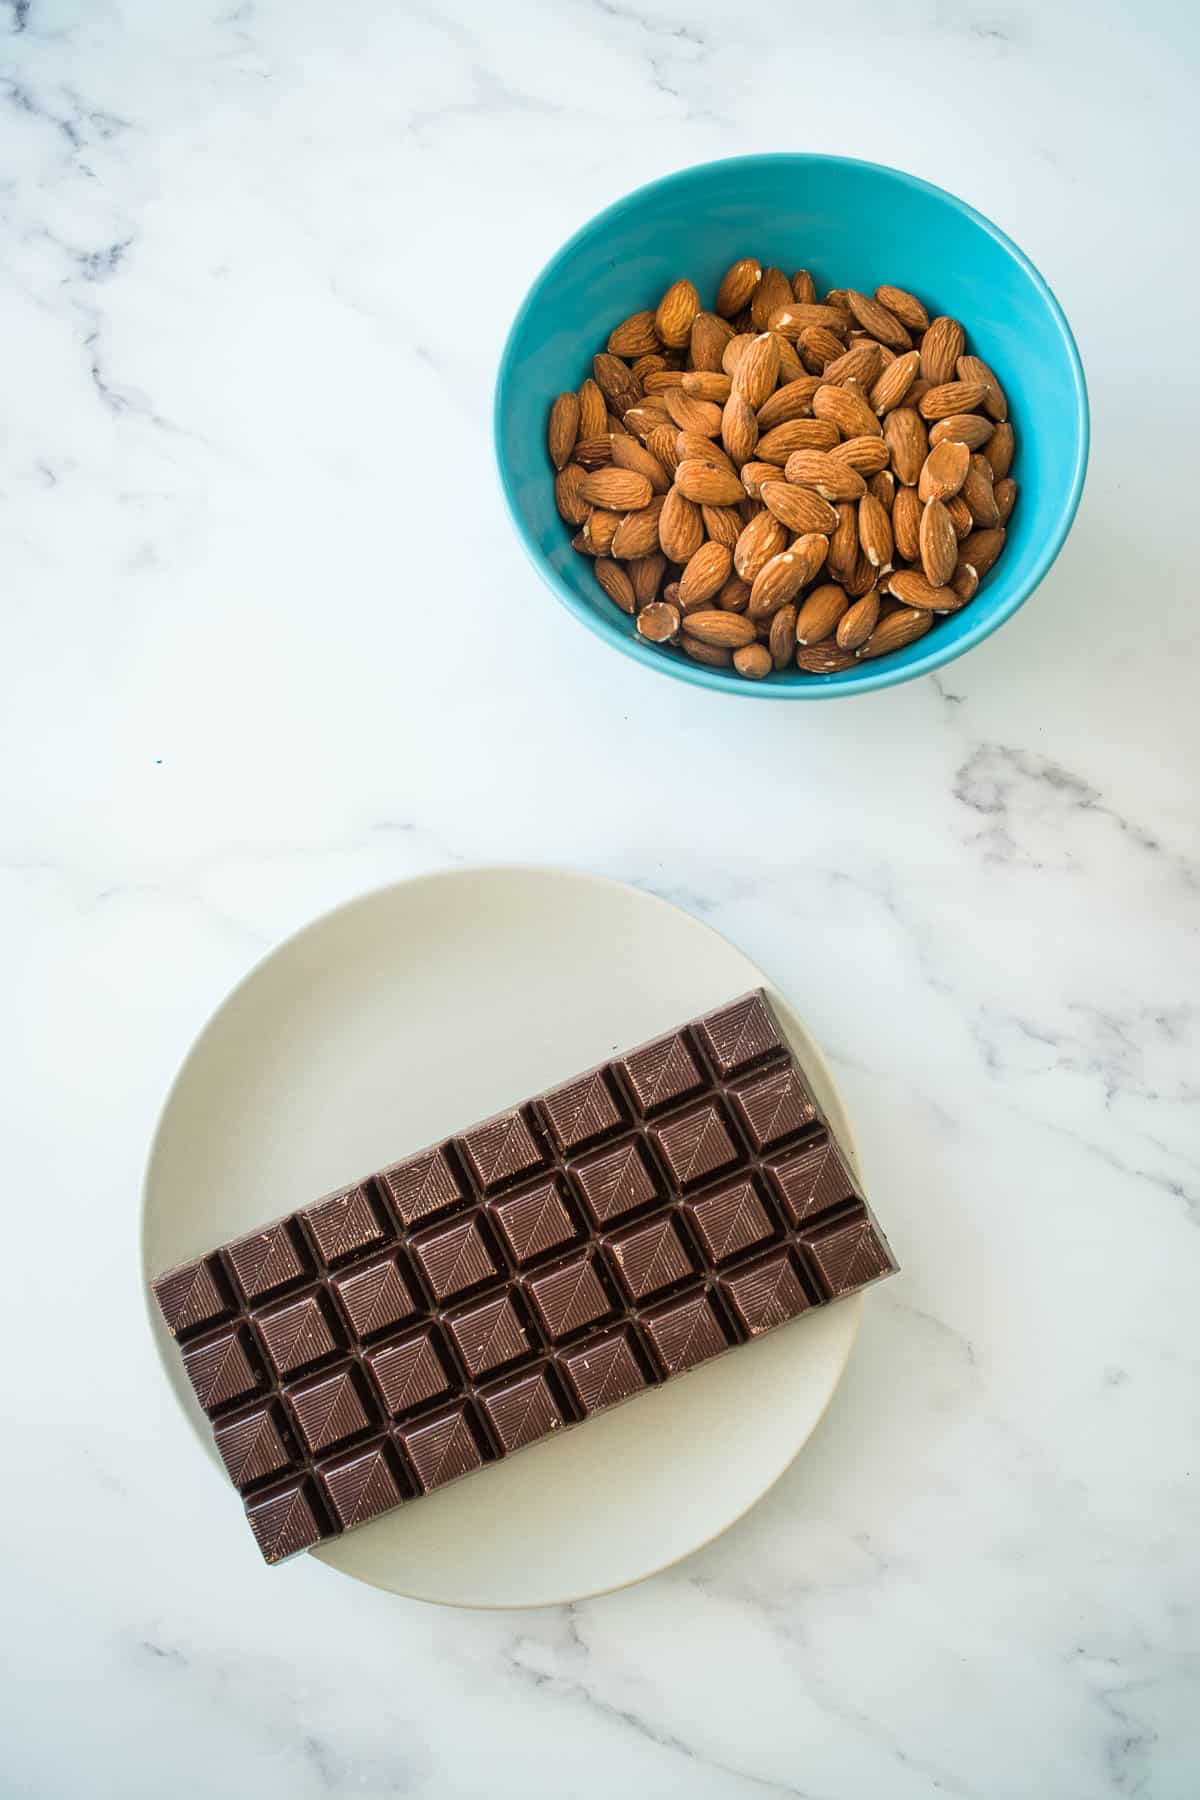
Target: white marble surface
(254, 663)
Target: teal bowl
(854, 224)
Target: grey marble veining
(240, 243)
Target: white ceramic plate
(396, 1020)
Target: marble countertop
(256, 662)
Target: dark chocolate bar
(507, 1283)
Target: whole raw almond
(906, 307)
(843, 543)
(801, 509)
(735, 595)
(680, 527)
(738, 285)
(846, 408)
(563, 429)
(824, 659)
(648, 368)
(971, 429)
(821, 613)
(772, 292)
(944, 470)
(763, 538)
(656, 381)
(647, 415)
(819, 349)
(646, 574)
(634, 336)
(861, 363)
(593, 410)
(779, 581)
(995, 402)
(869, 455)
(960, 515)
(618, 385)
(999, 450)
(755, 473)
(858, 621)
(894, 382)
(832, 479)
(861, 579)
(708, 481)
(781, 637)
(661, 442)
(979, 491)
(965, 582)
(757, 370)
(941, 347)
(906, 523)
(659, 622)
(790, 366)
(804, 288)
(690, 446)
(735, 350)
(723, 524)
(752, 661)
(568, 496)
(791, 401)
(795, 434)
(1006, 498)
(676, 312)
(911, 588)
(879, 320)
(637, 534)
(627, 453)
(908, 441)
(739, 429)
(723, 630)
(616, 584)
(883, 486)
(599, 529)
(950, 398)
(705, 574)
(706, 384)
(794, 317)
(939, 546)
(894, 632)
(621, 490)
(710, 654)
(874, 533)
(700, 417)
(981, 549)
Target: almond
(722, 630)
(821, 613)
(680, 527)
(883, 486)
(796, 434)
(735, 595)
(627, 453)
(763, 538)
(803, 287)
(1006, 498)
(705, 574)
(939, 546)
(911, 587)
(779, 581)
(622, 490)
(944, 470)
(950, 398)
(659, 622)
(738, 286)
(709, 481)
(634, 337)
(862, 578)
(690, 446)
(646, 573)
(846, 408)
(568, 496)
(781, 637)
(647, 416)
(941, 347)
(651, 368)
(861, 363)
(794, 317)
(658, 381)
(563, 429)
(819, 349)
(710, 654)
(973, 368)
(739, 429)
(908, 441)
(978, 490)
(637, 534)
(616, 584)
(661, 442)
(843, 543)
(832, 479)
(981, 549)
(753, 661)
(960, 515)
(800, 509)
(999, 451)
(772, 292)
(965, 582)
(869, 455)
(706, 384)
(892, 633)
(593, 410)
(676, 312)
(906, 307)
(755, 473)
(906, 523)
(620, 388)
(790, 366)
(876, 318)
(723, 524)
(858, 621)
(757, 370)
(791, 401)
(700, 417)
(709, 338)
(971, 429)
(824, 659)
(734, 351)
(874, 533)
(894, 383)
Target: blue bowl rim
(820, 687)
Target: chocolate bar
(534, 1269)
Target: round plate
(397, 1020)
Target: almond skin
(794, 316)
(599, 530)
(772, 292)
(676, 312)
(944, 470)
(999, 450)
(832, 479)
(858, 621)
(646, 573)
(735, 595)
(634, 337)
(894, 632)
(781, 638)
(754, 474)
(821, 613)
(869, 455)
(879, 320)
(700, 417)
(875, 533)
(627, 453)
(791, 401)
(979, 492)
(738, 286)
(861, 363)
(906, 307)
(709, 654)
(711, 482)
(616, 584)
(800, 509)
(763, 538)
(739, 429)
(846, 408)
(1006, 498)
(973, 368)
(563, 429)
(911, 587)
(637, 534)
(705, 384)
(971, 429)
(620, 388)
(568, 496)
(723, 524)
(951, 397)
(824, 659)
(753, 661)
(709, 338)
(843, 543)
(705, 574)
(757, 370)
(781, 579)
(622, 490)
(721, 630)
(960, 516)
(593, 411)
(819, 348)
(981, 549)
(941, 347)
(906, 523)
(939, 545)
(894, 383)
(783, 440)
(659, 622)
(908, 441)
(680, 527)
(803, 287)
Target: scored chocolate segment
(503, 1285)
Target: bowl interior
(853, 225)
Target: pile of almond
(785, 480)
